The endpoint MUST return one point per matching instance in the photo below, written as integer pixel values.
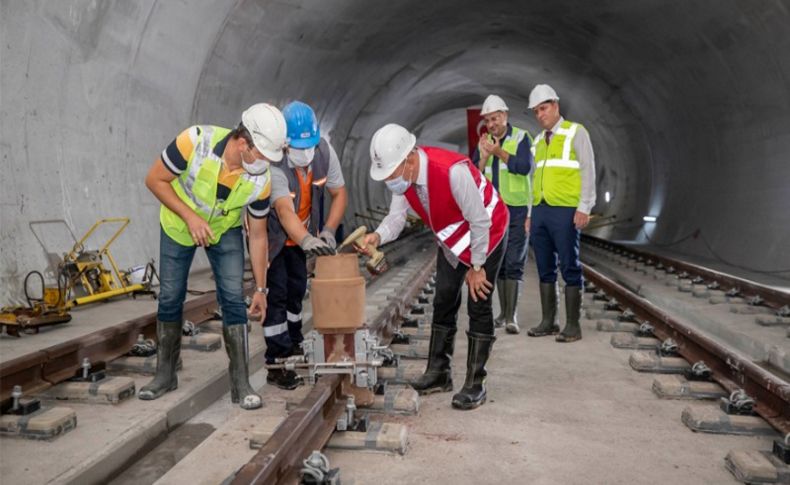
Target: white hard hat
(266, 125)
(542, 93)
(492, 104)
(388, 148)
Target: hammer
(376, 264)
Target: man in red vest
(470, 223)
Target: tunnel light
(649, 218)
(607, 196)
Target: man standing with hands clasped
(504, 156)
(564, 188)
(470, 223)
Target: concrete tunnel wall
(687, 102)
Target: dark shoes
(438, 376)
(473, 394)
(284, 379)
(573, 307)
(548, 302)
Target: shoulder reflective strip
(319, 182)
(566, 151)
(260, 182)
(488, 170)
(201, 151)
(275, 330)
(293, 317)
(563, 163)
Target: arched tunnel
(686, 102)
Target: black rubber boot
(573, 308)
(168, 351)
(548, 302)
(284, 379)
(241, 391)
(473, 394)
(499, 321)
(511, 309)
(438, 375)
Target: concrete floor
(557, 413)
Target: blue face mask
(398, 185)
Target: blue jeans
(227, 264)
(513, 265)
(554, 235)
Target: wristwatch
(265, 291)
(476, 267)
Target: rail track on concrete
(309, 427)
(306, 428)
(672, 343)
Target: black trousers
(450, 282)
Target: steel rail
(731, 369)
(307, 428)
(310, 425)
(771, 297)
(44, 368)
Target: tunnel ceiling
(686, 101)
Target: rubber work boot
(241, 391)
(499, 321)
(573, 308)
(438, 374)
(511, 309)
(284, 379)
(548, 302)
(473, 394)
(168, 351)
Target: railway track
(668, 339)
(403, 293)
(305, 429)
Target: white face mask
(256, 167)
(399, 185)
(301, 158)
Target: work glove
(311, 245)
(328, 236)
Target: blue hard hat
(302, 125)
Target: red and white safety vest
(445, 218)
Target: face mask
(301, 158)
(398, 185)
(256, 167)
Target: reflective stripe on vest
(463, 239)
(515, 189)
(445, 217)
(197, 188)
(557, 178)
